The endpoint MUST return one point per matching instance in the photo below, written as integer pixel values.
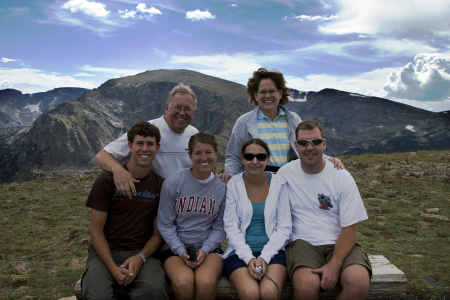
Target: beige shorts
(301, 253)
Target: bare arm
(134, 263)
(123, 179)
(98, 239)
(343, 247)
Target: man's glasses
(186, 109)
(315, 142)
(251, 156)
(270, 92)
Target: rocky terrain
(17, 109)
(65, 139)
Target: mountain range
(67, 137)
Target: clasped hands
(201, 255)
(253, 272)
(127, 272)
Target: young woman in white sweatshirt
(257, 223)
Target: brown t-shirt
(129, 224)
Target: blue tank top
(255, 235)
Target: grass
(43, 224)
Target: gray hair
(182, 89)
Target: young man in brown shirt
(124, 232)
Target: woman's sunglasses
(251, 156)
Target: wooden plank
(387, 282)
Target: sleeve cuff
(266, 258)
(207, 249)
(180, 251)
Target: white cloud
(111, 71)
(236, 68)
(6, 60)
(383, 48)
(387, 16)
(83, 74)
(426, 79)
(32, 80)
(93, 9)
(180, 32)
(152, 10)
(17, 11)
(198, 15)
(159, 52)
(310, 18)
(6, 84)
(100, 26)
(232, 5)
(361, 83)
(125, 14)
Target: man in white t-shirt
(326, 207)
(173, 152)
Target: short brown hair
(308, 125)
(276, 76)
(143, 129)
(202, 137)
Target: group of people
(286, 209)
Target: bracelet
(143, 257)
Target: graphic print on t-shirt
(324, 201)
(194, 204)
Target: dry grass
(43, 225)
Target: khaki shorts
(301, 253)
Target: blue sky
(394, 49)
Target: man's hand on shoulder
(124, 181)
(132, 265)
(224, 177)
(329, 275)
(337, 163)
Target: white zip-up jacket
(238, 214)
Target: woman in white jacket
(257, 223)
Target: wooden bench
(387, 282)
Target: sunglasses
(315, 142)
(251, 156)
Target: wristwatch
(143, 257)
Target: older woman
(270, 121)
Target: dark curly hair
(276, 76)
(143, 129)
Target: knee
(182, 283)
(356, 278)
(269, 291)
(204, 283)
(306, 285)
(249, 294)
